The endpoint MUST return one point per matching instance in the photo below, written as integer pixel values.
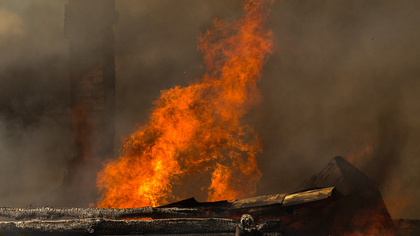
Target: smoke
(344, 75)
(342, 79)
(34, 141)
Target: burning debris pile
(340, 200)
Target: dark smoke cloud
(34, 141)
(344, 75)
(343, 78)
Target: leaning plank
(116, 214)
(118, 227)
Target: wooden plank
(118, 227)
(259, 201)
(116, 214)
(307, 196)
(184, 227)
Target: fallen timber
(131, 227)
(188, 208)
(115, 214)
(217, 218)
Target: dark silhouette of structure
(88, 26)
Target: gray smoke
(344, 77)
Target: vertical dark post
(88, 26)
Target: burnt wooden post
(88, 25)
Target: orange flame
(199, 128)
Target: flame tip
(198, 128)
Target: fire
(199, 128)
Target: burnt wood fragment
(117, 227)
(129, 227)
(116, 214)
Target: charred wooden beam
(116, 214)
(131, 227)
(118, 227)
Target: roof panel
(307, 196)
(257, 201)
